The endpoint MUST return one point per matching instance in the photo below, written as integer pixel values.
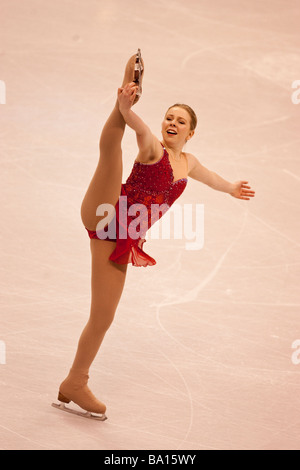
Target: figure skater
(159, 176)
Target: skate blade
(138, 72)
(84, 414)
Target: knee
(110, 153)
(101, 320)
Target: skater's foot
(134, 72)
(74, 388)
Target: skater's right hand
(126, 96)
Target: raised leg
(106, 183)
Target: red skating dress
(149, 185)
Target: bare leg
(107, 284)
(106, 183)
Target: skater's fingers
(130, 85)
(134, 90)
(127, 90)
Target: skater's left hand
(240, 190)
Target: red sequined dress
(149, 185)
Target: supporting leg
(107, 285)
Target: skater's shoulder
(192, 161)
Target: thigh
(104, 188)
(108, 278)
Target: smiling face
(176, 127)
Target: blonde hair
(191, 112)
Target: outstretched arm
(239, 189)
(145, 138)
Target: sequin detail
(147, 184)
